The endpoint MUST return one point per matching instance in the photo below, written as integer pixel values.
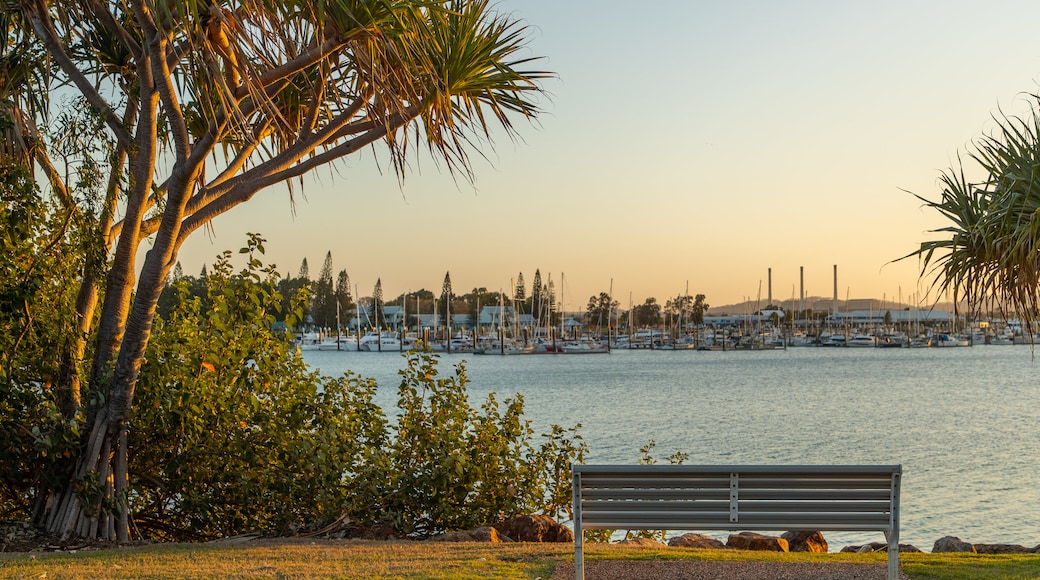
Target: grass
(429, 560)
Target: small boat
(341, 342)
(584, 347)
(862, 340)
(944, 340)
(383, 342)
(833, 340)
(893, 340)
(507, 347)
(1004, 338)
(308, 341)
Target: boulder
(952, 544)
(485, 534)
(806, 542)
(753, 541)
(1002, 549)
(696, 541)
(535, 528)
(641, 542)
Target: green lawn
(430, 560)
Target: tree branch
(245, 188)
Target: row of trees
(334, 302)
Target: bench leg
(579, 568)
(893, 554)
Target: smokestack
(801, 288)
(835, 307)
(770, 290)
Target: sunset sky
(683, 142)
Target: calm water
(963, 422)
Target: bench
(738, 497)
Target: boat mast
(610, 306)
(357, 309)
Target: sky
(683, 144)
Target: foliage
(987, 251)
(689, 309)
(600, 310)
(647, 314)
(450, 466)
(234, 433)
(36, 288)
(199, 108)
(324, 303)
(444, 303)
(344, 297)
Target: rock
(696, 541)
(1002, 549)
(806, 542)
(753, 541)
(535, 528)
(641, 542)
(486, 534)
(952, 544)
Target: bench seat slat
(711, 525)
(630, 494)
(665, 520)
(594, 506)
(650, 494)
(594, 482)
(745, 470)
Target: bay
(963, 422)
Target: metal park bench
(738, 497)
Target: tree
(477, 299)
(536, 295)
(600, 310)
(986, 254)
(647, 314)
(344, 298)
(698, 308)
(520, 293)
(688, 309)
(378, 320)
(444, 304)
(202, 107)
(324, 304)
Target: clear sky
(683, 142)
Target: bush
(450, 466)
(233, 433)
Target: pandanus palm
(264, 91)
(989, 252)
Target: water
(963, 422)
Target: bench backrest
(737, 497)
